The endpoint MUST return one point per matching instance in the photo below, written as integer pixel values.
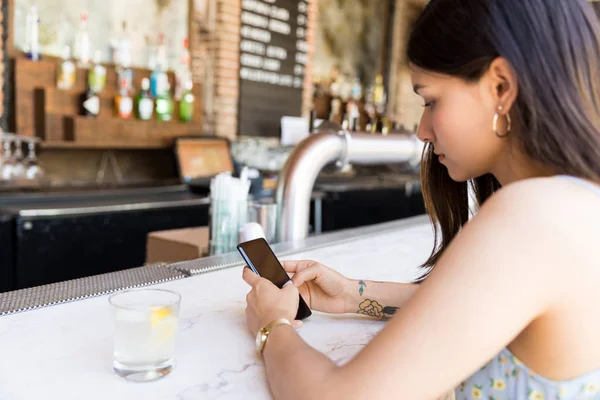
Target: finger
(289, 285)
(250, 277)
(297, 324)
(306, 275)
(295, 266)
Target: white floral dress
(506, 378)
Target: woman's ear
(504, 86)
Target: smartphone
(260, 258)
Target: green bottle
(144, 105)
(97, 74)
(186, 106)
(164, 105)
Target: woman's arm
(378, 299)
(286, 351)
(499, 274)
(326, 290)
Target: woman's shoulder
(551, 208)
(549, 192)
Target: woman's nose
(425, 131)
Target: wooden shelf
(106, 145)
(52, 115)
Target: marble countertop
(65, 351)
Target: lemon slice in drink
(158, 314)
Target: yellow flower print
(562, 391)
(516, 361)
(591, 388)
(498, 384)
(503, 360)
(476, 392)
(535, 395)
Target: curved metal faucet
(298, 176)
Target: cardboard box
(176, 245)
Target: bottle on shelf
(97, 74)
(123, 50)
(164, 105)
(123, 64)
(65, 79)
(182, 72)
(335, 106)
(356, 92)
(123, 101)
(161, 53)
(159, 78)
(379, 95)
(82, 48)
(144, 104)
(353, 105)
(353, 116)
(32, 34)
(345, 89)
(150, 53)
(312, 121)
(336, 110)
(186, 105)
(89, 103)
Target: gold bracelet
(263, 333)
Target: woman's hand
(322, 288)
(266, 302)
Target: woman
(511, 308)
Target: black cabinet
(359, 207)
(52, 237)
(7, 266)
(62, 247)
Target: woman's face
(457, 120)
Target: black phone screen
(260, 258)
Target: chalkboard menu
(272, 58)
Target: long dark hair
(553, 47)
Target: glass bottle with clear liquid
(19, 166)
(33, 170)
(8, 160)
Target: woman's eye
(429, 104)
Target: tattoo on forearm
(361, 287)
(373, 309)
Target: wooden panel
(104, 145)
(129, 131)
(55, 127)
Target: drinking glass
(145, 322)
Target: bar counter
(56, 340)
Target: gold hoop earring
(495, 124)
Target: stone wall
(404, 105)
(350, 36)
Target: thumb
(297, 324)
